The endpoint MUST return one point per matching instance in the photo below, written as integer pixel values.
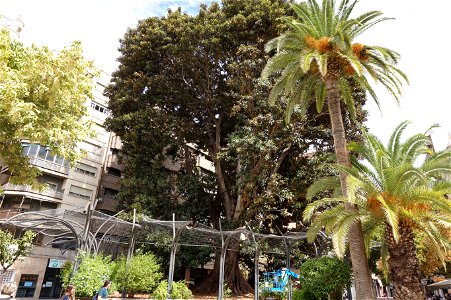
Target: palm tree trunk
(360, 269)
(403, 263)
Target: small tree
(141, 275)
(42, 100)
(91, 274)
(325, 277)
(12, 249)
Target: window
(91, 148)
(8, 276)
(114, 151)
(33, 150)
(52, 186)
(80, 192)
(110, 192)
(114, 172)
(86, 169)
(44, 153)
(100, 108)
(27, 286)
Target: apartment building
(68, 187)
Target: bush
(143, 274)
(90, 276)
(325, 277)
(179, 290)
(303, 295)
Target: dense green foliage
(324, 277)
(141, 275)
(200, 86)
(91, 274)
(42, 100)
(303, 294)
(188, 87)
(179, 290)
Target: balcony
(39, 162)
(8, 213)
(111, 181)
(108, 203)
(26, 188)
(113, 161)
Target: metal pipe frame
(222, 260)
(100, 227)
(176, 235)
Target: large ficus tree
(42, 100)
(318, 60)
(195, 80)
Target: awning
(445, 284)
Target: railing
(49, 165)
(27, 188)
(8, 213)
(108, 203)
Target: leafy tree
(141, 275)
(91, 274)
(317, 61)
(179, 290)
(42, 101)
(324, 277)
(12, 249)
(396, 193)
(198, 84)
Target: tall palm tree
(396, 193)
(316, 60)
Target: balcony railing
(109, 203)
(27, 188)
(39, 162)
(8, 213)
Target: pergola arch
(91, 229)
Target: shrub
(91, 274)
(143, 274)
(303, 295)
(179, 290)
(325, 277)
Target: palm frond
(394, 142)
(321, 185)
(390, 215)
(312, 207)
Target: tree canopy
(188, 87)
(42, 100)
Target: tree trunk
(359, 259)
(232, 277)
(403, 263)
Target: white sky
(420, 34)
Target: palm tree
(316, 60)
(396, 197)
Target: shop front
(52, 285)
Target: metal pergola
(93, 232)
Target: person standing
(103, 292)
(69, 294)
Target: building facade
(68, 188)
